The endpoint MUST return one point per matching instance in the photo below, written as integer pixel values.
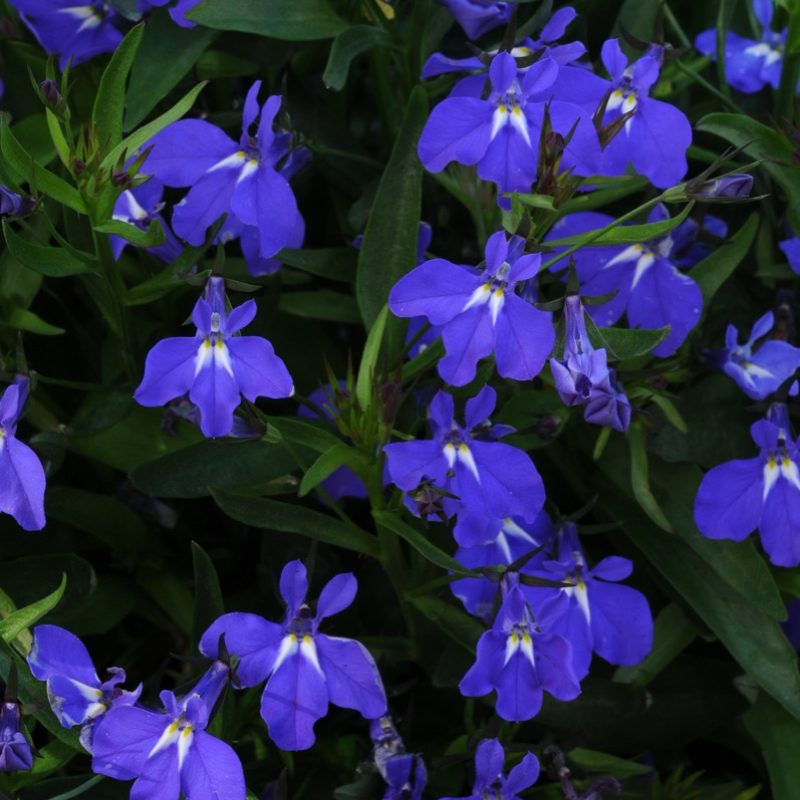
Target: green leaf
(751, 636)
(22, 619)
(626, 343)
(275, 515)
(673, 633)
(34, 174)
(778, 737)
(593, 761)
(54, 262)
(718, 266)
(334, 263)
(166, 55)
(625, 234)
(170, 594)
(314, 435)
(130, 144)
(23, 320)
(208, 602)
(450, 619)
(109, 102)
(640, 478)
(420, 543)
(321, 304)
(339, 455)
(151, 237)
(289, 20)
(349, 44)
(192, 471)
(369, 360)
(390, 240)
(764, 143)
(790, 71)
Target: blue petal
(294, 586)
(212, 769)
(124, 739)
(337, 595)
(22, 484)
(729, 501)
(458, 129)
(780, 524)
(622, 625)
(257, 370)
(524, 339)
(168, 371)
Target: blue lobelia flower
(650, 288)
(762, 372)
(545, 44)
(242, 180)
(15, 749)
(749, 64)
(140, 206)
(515, 540)
(519, 660)
(791, 249)
(501, 132)
(404, 772)
(170, 753)
(477, 17)
(582, 376)
(480, 312)
(601, 616)
(215, 366)
(22, 478)
(176, 12)
(487, 480)
(305, 670)
(12, 204)
(738, 497)
(76, 694)
(491, 780)
(75, 30)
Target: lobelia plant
(525, 585)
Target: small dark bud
(50, 94)
(14, 205)
(78, 166)
(121, 179)
(547, 427)
(726, 189)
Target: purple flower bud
(14, 205)
(50, 93)
(15, 751)
(729, 187)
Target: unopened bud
(728, 188)
(50, 94)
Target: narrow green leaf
(275, 515)
(307, 433)
(348, 45)
(778, 735)
(109, 102)
(208, 602)
(152, 236)
(54, 262)
(593, 761)
(790, 71)
(640, 480)
(451, 620)
(23, 320)
(190, 472)
(718, 266)
(390, 241)
(320, 304)
(35, 175)
(626, 234)
(626, 343)
(369, 360)
(420, 543)
(290, 20)
(130, 144)
(166, 55)
(339, 455)
(334, 263)
(22, 619)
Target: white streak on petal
(479, 296)
(309, 649)
(288, 648)
(235, 161)
(222, 357)
(204, 357)
(582, 597)
(499, 119)
(466, 458)
(450, 454)
(184, 743)
(512, 645)
(519, 122)
(249, 168)
(496, 303)
(771, 474)
(91, 19)
(171, 735)
(630, 253)
(642, 265)
(790, 472)
(526, 645)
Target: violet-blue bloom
(480, 312)
(762, 372)
(140, 206)
(13, 205)
(74, 30)
(601, 616)
(750, 64)
(657, 135)
(404, 773)
(791, 249)
(649, 287)
(477, 17)
(76, 694)
(500, 134)
(582, 376)
(215, 366)
(738, 497)
(491, 780)
(22, 478)
(305, 670)
(170, 753)
(515, 540)
(241, 179)
(490, 480)
(15, 750)
(520, 661)
(177, 11)
(728, 188)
